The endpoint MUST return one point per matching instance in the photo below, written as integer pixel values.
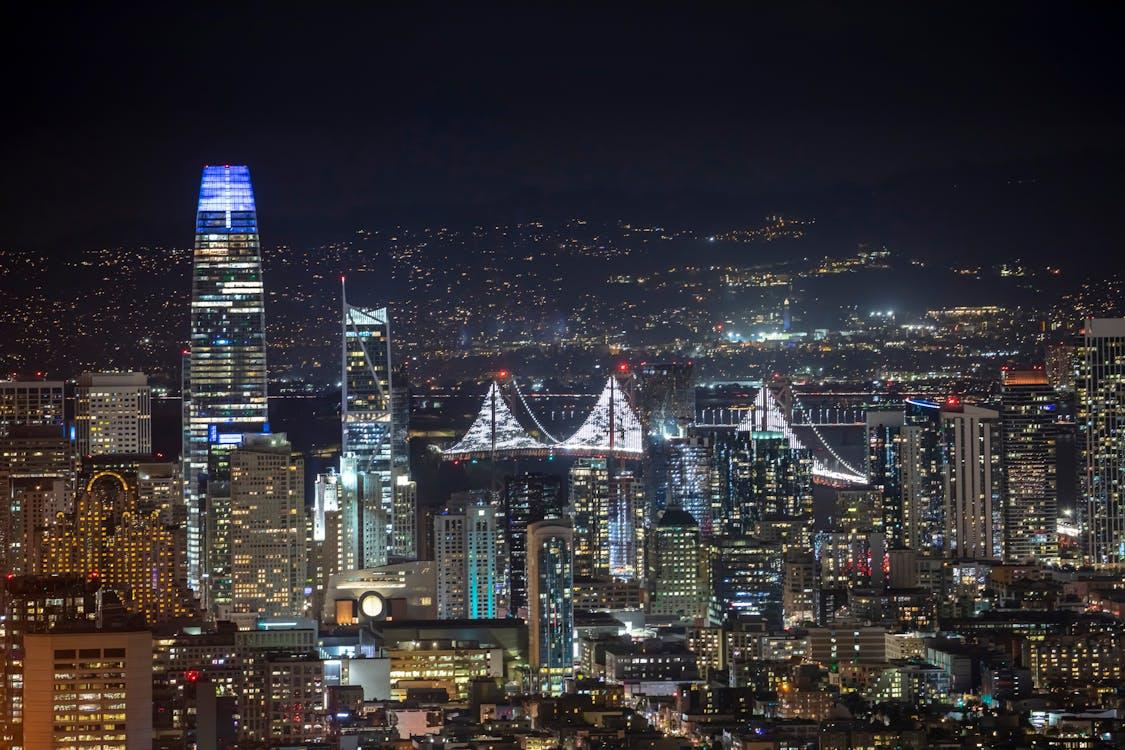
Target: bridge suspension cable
(539, 425)
(831, 451)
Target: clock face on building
(371, 605)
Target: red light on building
(952, 401)
(192, 675)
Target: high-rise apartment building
(799, 586)
(745, 577)
(1028, 414)
(31, 402)
(528, 498)
(923, 494)
(113, 413)
(972, 475)
(37, 482)
(627, 525)
(1101, 363)
(88, 687)
(775, 479)
(404, 523)
(885, 442)
(470, 561)
(368, 435)
(693, 482)
(677, 567)
(225, 382)
(335, 532)
(589, 504)
(550, 624)
(267, 530)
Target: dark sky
(350, 116)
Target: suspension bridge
(613, 428)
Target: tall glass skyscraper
(225, 383)
(550, 623)
(1028, 413)
(367, 427)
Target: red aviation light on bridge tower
(502, 374)
(623, 367)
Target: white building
(971, 472)
(1101, 363)
(113, 413)
(468, 548)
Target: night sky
(952, 129)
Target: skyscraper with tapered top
(225, 383)
(367, 428)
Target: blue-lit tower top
(226, 192)
(225, 387)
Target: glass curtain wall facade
(225, 383)
(1028, 411)
(366, 414)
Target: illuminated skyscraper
(885, 441)
(113, 413)
(550, 625)
(745, 573)
(589, 502)
(225, 387)
(527, 498)
(468, 547)
(1028, 412)
(1101, 361)
(368, 430)
(972, 474)
(693, 483)
(778, 477)
(37, 482)
(678, 567)
(627, 526)
(267, 529)
(922, 510)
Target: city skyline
(624, 378)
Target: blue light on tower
(225, 378)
